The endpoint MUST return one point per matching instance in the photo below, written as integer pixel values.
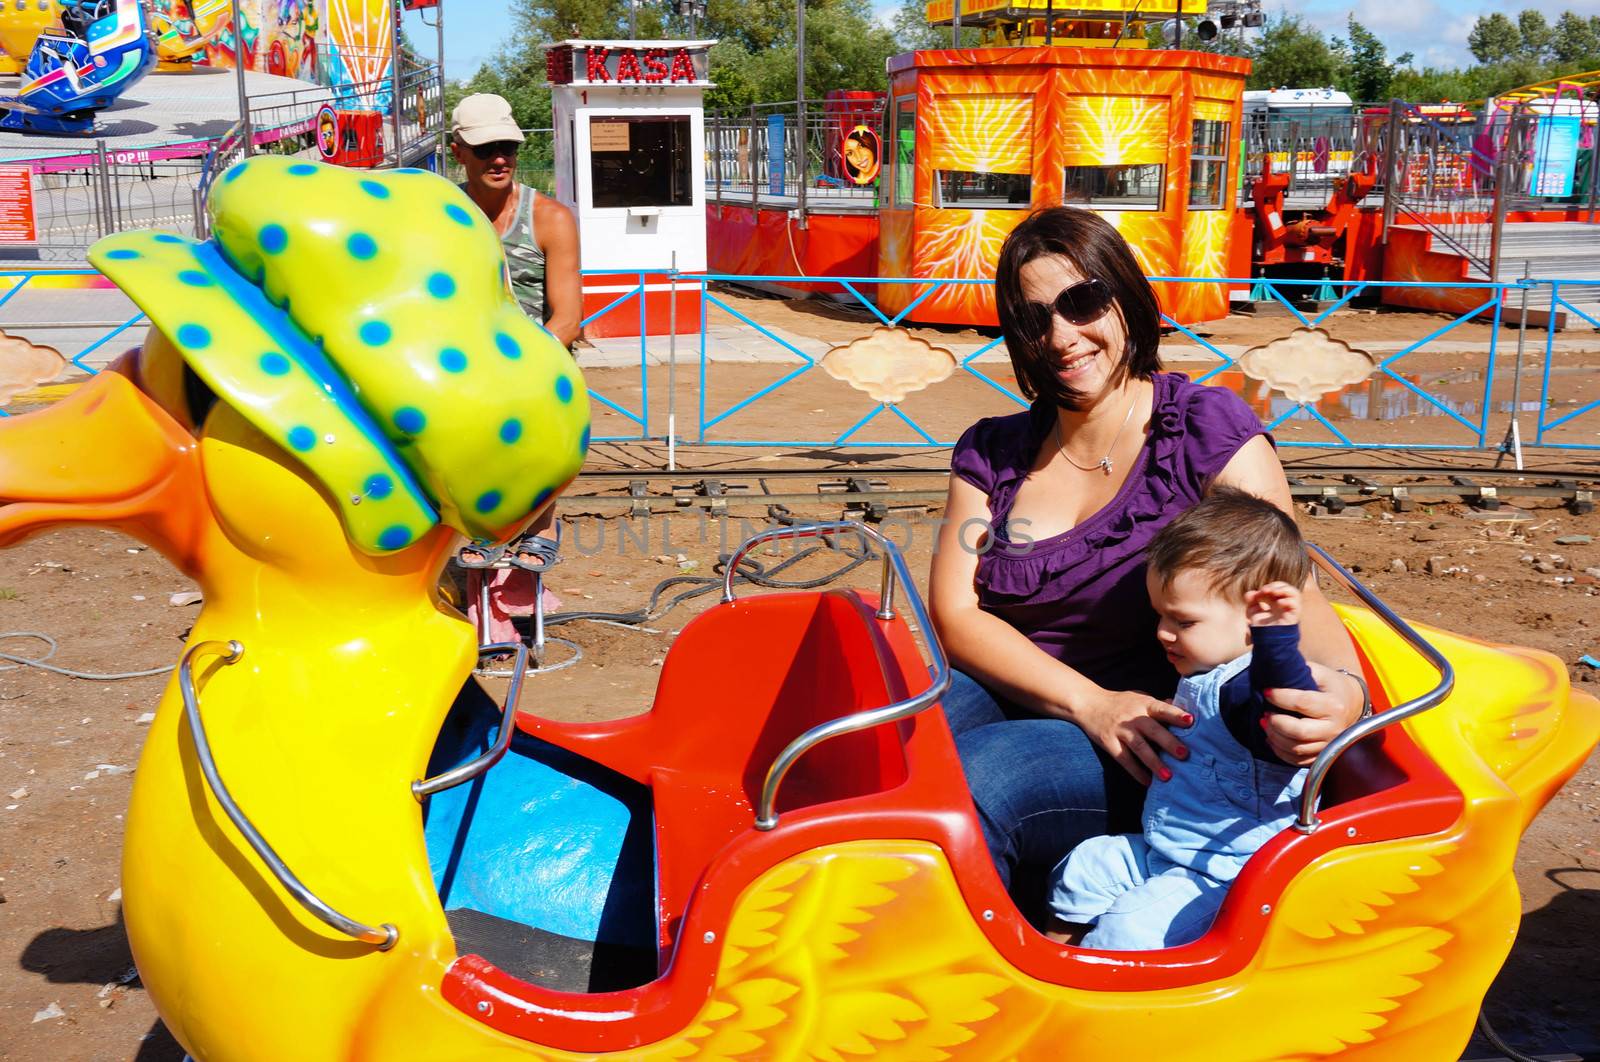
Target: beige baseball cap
(484, 118)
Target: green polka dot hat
(362, 319)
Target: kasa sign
(628, 63)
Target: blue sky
(1436, 30)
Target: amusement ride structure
(378, 862)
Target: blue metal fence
(1548, 420)
(1470, 405)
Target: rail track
(876, 492)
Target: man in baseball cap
(483, 118)
(537, 233)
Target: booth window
(1114, 151)
(1137, 187)
(640, 161)
(905, 150)
(1208, 164)
(982, 151)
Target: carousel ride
(100, 49)
(339, 848)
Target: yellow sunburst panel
(982, 132)
(1107, 130)
(1205, 254)
(962, 243)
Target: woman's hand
(1132, 728)
(1318, 717)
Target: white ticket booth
(629, 136)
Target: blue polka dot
(302, 169)
(235, 173)
(394, 537)
(508, 346)
(488, 501)
(511, 430)
(410, 169)
(564, 388)
(273, 239)
(457, 214)
(542, 497)
(167, 237)
(375, 190)
(361, 246)
(122, 254)
(274, 364)
(409, 419)
(376, 333)
(583, 443)
(452, 360)
(378, 487)
(441, 286)
(193, 335)
(195, 279)
(302, 438)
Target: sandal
(486, 556)
(535, 553)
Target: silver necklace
(1104, 464)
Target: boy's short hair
(1239, 541)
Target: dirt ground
(68, 747)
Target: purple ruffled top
(1080, 595)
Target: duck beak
(106, 455)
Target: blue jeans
(1040, 785)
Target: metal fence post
(802, 156)
(108, 222)
(1512, 443)
(755, 181)
(1391, 169)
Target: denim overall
(1164, 888)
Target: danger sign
(17, 221)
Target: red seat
(742, 682)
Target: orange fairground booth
(977, 138)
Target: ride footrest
(550, 960)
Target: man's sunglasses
(485, 152)
(1078, 304)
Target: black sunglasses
(1078, 304)
(485, 152)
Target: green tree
(1366, 73)
(1538, 39)
(1576, 40)
(1293, 54)
(1494, 39)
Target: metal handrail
(894, 565)
(465, 772)
(385, 935)
(1330, 754)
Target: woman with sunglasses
(1059, 701)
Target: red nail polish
(1166, 775)
(1263, 722)
(1188, 720)
(1183, 752)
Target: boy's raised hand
(1274, 605)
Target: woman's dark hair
(1097, 251)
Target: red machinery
(359, 140)
(1311, 238)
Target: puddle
(1383, 398)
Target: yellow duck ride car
(335, 849)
